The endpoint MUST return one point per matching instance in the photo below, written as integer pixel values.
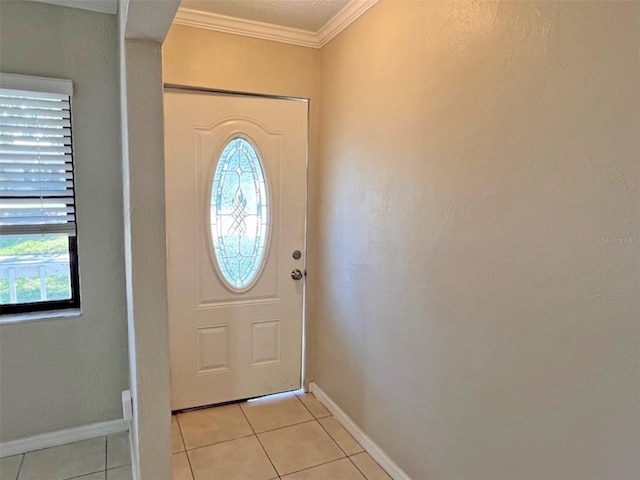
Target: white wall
(62, 373)
(474, 157)
(145, 253)
(143, 26)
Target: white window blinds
(36, 158)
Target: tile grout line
(256, 434)
(309, 410)
(313, 418)
(374, 461)
(214, 443)
(345, 453)
(20, 466)
(334, 440)
(247, 419)
(318, 465)
(354, 463)
(284, 426)
(87, 474)
(103, 470)
(305, 406)
(258, 439)
(211, 407)
(186, 454)
(317, 420)
(287, 426)
(331, 437)
(80, 477)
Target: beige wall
(474, 157)
(62, 373)
(204, 58)
(222, 61)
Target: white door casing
(228, 345)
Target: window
(38, 247)
(239, 215)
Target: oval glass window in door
(239, 214)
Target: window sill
(35, 316)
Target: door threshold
(233, 402)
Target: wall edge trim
(61, 437)
(358, 434)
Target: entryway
(236, 178)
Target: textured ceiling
(104, 6)
(310, 15)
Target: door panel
(227, 345)
(268, 287)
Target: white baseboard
(61, 437)
(356, 432)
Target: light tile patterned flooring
(289, 436)
(103, 458)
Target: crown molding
(341, 20)
(267, 31)
(247, 28)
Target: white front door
(236, 169)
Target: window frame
(45, 85)
(53, 305)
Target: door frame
(307, 101)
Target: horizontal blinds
(36, 161)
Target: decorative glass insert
(239, 214)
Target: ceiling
(309, 15)
(104, 6)
(309, 23)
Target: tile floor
(103, 458)
(289, 436)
